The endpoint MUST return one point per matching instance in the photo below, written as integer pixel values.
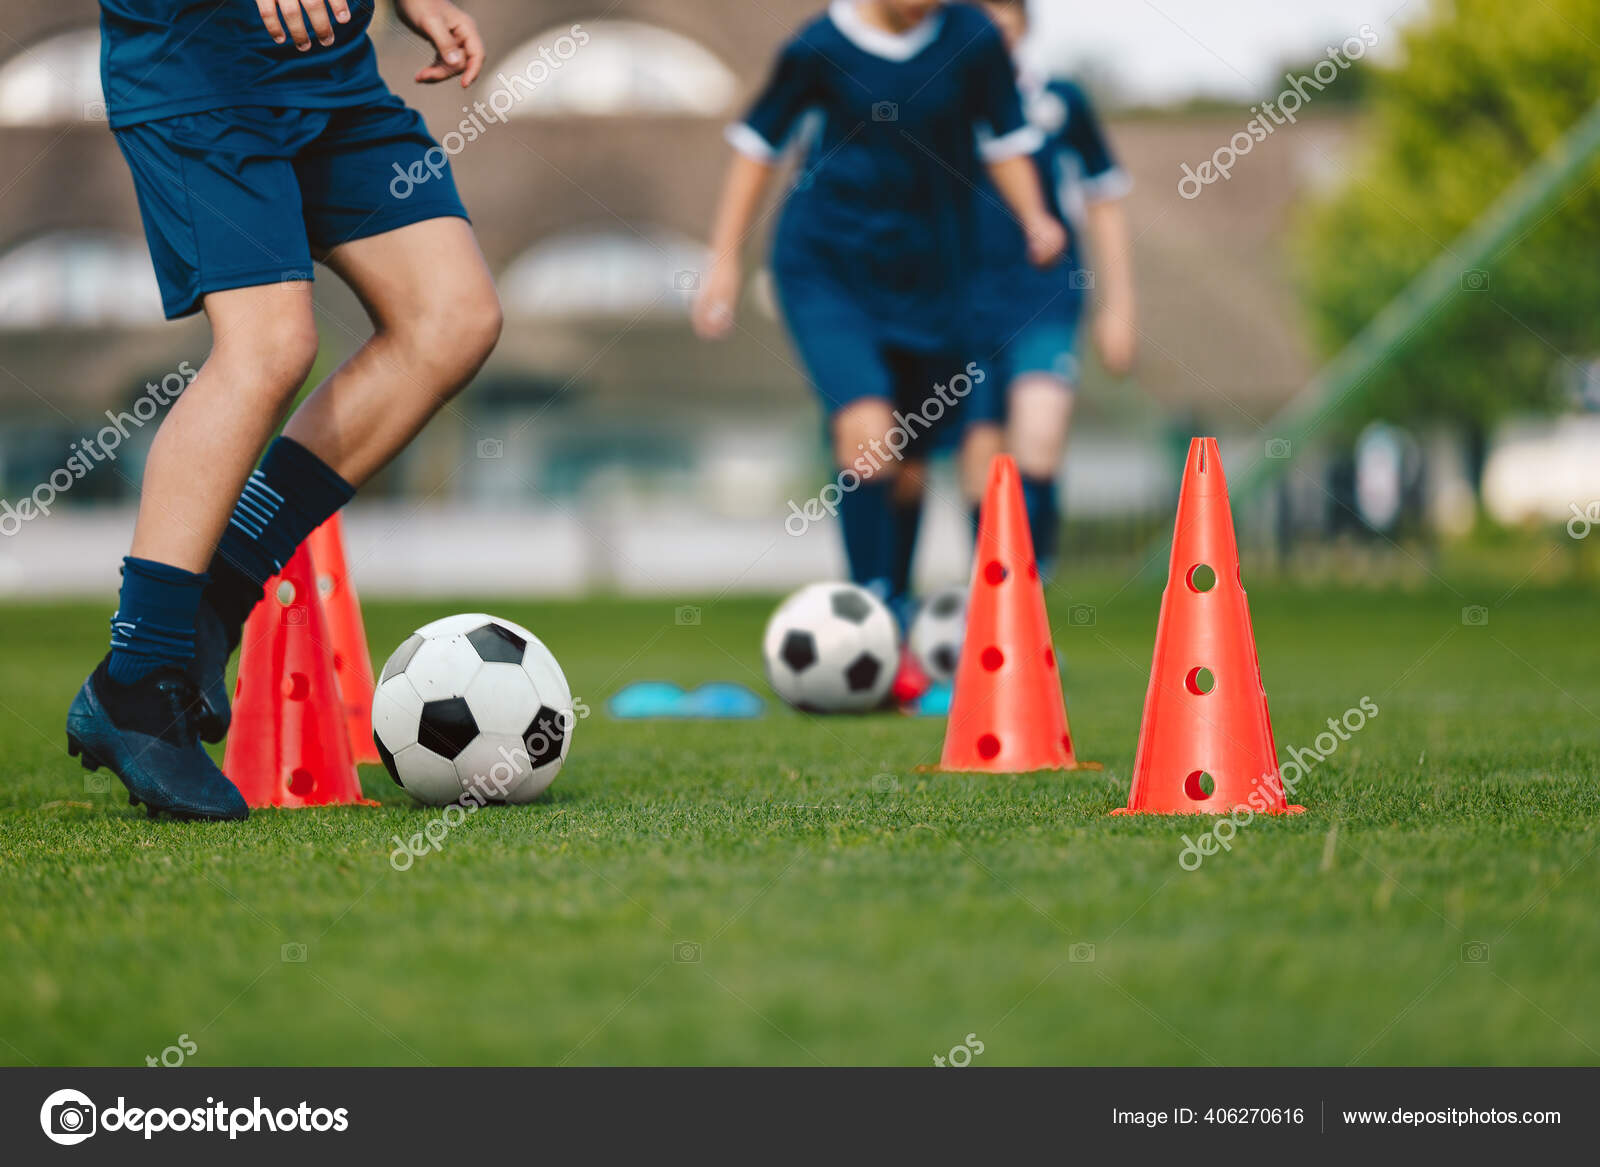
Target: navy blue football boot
(147, 734)
(215, 639)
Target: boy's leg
(436, 317)
(1037, 428)
(137, 712)
(868, 513)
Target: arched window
(612, 68)
(77, 279)
(604, 273)
(54, 81)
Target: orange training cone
(1205, 745)
(1006, 715)
(289, 744)
(352, 664)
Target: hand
(717, 303)
(316, 11)
(458, 49)
(1116, 340)
(1047, 240)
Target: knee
(274, 352)
(861, 433)
(454, 332)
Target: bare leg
(1039, 417)
(263, 344)
(436, 317)
(978, 450)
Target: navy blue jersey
(161, 58)
(896, 130)
(1077, 168)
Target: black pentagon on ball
(388, 760)
(402, 657)
(946, 605)
(945, 658)
(544, 737)
(863, 672)
(447, 727)
(799, 651)
(852, 607)
(497, 645)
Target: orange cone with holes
(1205, 745)
(352, 664)
(1006, 715)
(289, 745)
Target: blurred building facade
(591, 200)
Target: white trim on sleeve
(743, 138)
(1027, 140)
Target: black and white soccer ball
(832, 648)
(473, 707)
(937, 633)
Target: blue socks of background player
(871, 535)
(908, 520)
(1044, 520)
(154, 624)
(291, 494)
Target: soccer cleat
(146, 734)
(214, 644)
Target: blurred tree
(1479, 90)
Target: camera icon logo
(293, 953)
(686, 952)
(686, 281)
(1279, 448)
(1081, 280)
(1475, 616)
(1081, 954)
(1081, 615)
(96, 784)
(491, 448)
(94, 111)
(68, 1117)
(1475, 952)
(1475, 280)
(885, 783)
(885, 111)
(294, 616)
(686, 616)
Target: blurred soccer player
(1032, 317)
(261, 137)
(915, 104)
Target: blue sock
(868, 517)
(154, 624)
(908, 521)
(1044, 520)
(291, 494)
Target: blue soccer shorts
(237, 197)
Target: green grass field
(847, 907)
